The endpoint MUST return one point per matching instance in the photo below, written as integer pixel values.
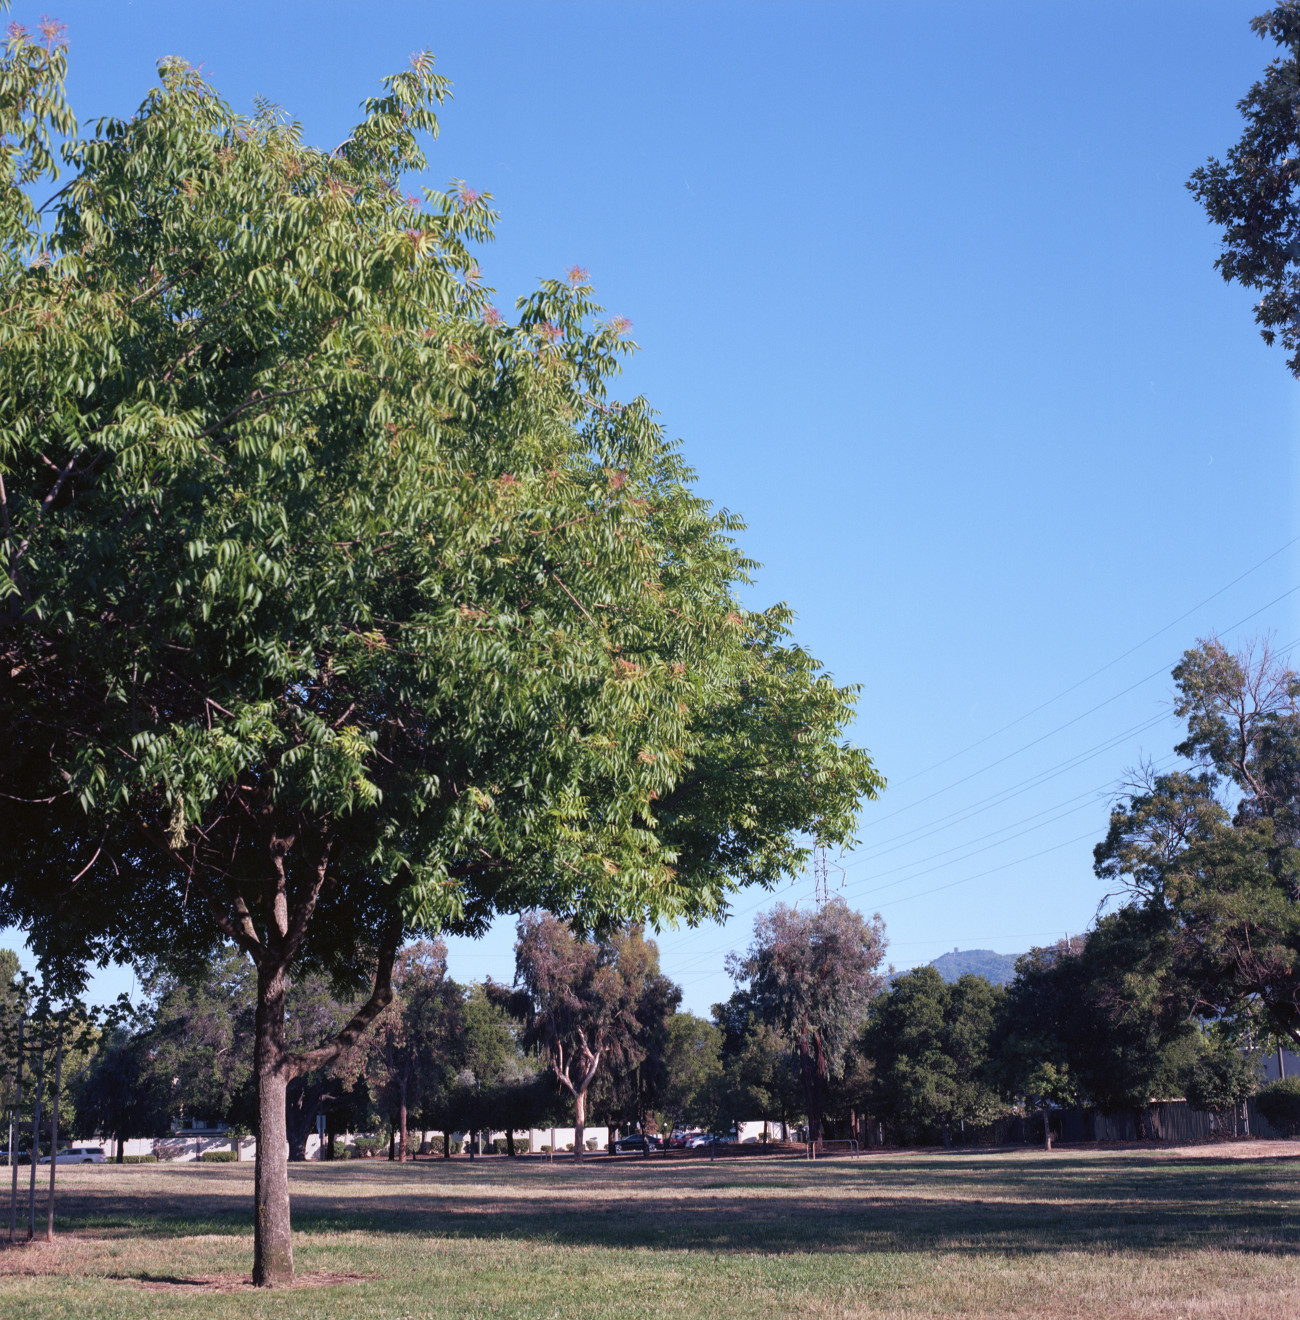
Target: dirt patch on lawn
(232, 1283)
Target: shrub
(139, 1159)
(456, 1147)
(219, 1157)
(544, 1149)
(590, 1143)
(367, 1146)
(1279, 1102)
(568, 1145)
(499, 1145)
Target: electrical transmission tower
(821, 880)
(822, 875)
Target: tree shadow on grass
(1099, 1203)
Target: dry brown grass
(1136, 1234)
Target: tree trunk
(272, 1240)
(121, 1149)
(446, 1145)
(54, 1132)
(36, 1140)
(579, 1123)
(14, 1135)
(811, 1091)
(302, 1104)
(1047, 1129)
(510, 1142)
(401, 1121)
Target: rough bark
(1047, 1129)
(272, 1239)
(402, 1133)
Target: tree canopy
(335, 605)
(813, 975)
(1251, 193)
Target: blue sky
(921, 290)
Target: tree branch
(297, 1064)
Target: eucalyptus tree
(578, 1002)
(1213, 850)
(813, 975)
(335, 607)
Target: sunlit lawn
(1025, 1233)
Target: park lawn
(1023, 1233)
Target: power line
(1092, 710)
(1001, 795)
(1110, 664)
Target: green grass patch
(1132, 1234)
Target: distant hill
(996, 967)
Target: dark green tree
(1217, 847)
(1251, 194)
(409, 1051)
(692, 1068)
(931, 1046)
(122, 1095)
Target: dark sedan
(637, 1143)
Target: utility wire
(1092, 710)
(1110, 664)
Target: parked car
(77, 1155)
(637, 1142)
(704, 1139)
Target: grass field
(1024, 1233)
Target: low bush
(1279, 1102)
(590, 1143)
(139, 1159)
(457, 1147)
(499, 1145)
(368, 1146)
(220, 1157)
(568, 1145)
(544, 1149)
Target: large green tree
(930, 1044)
(335, 607)
(1251, 194)
(1216, 847)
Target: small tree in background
(122, 1094)
(1032, 1037)
(578, 1003)
(813, 975)
(415, 1040)
(692, 1068)
(1223, 1078)
(930, 1045)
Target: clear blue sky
(921, 290)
